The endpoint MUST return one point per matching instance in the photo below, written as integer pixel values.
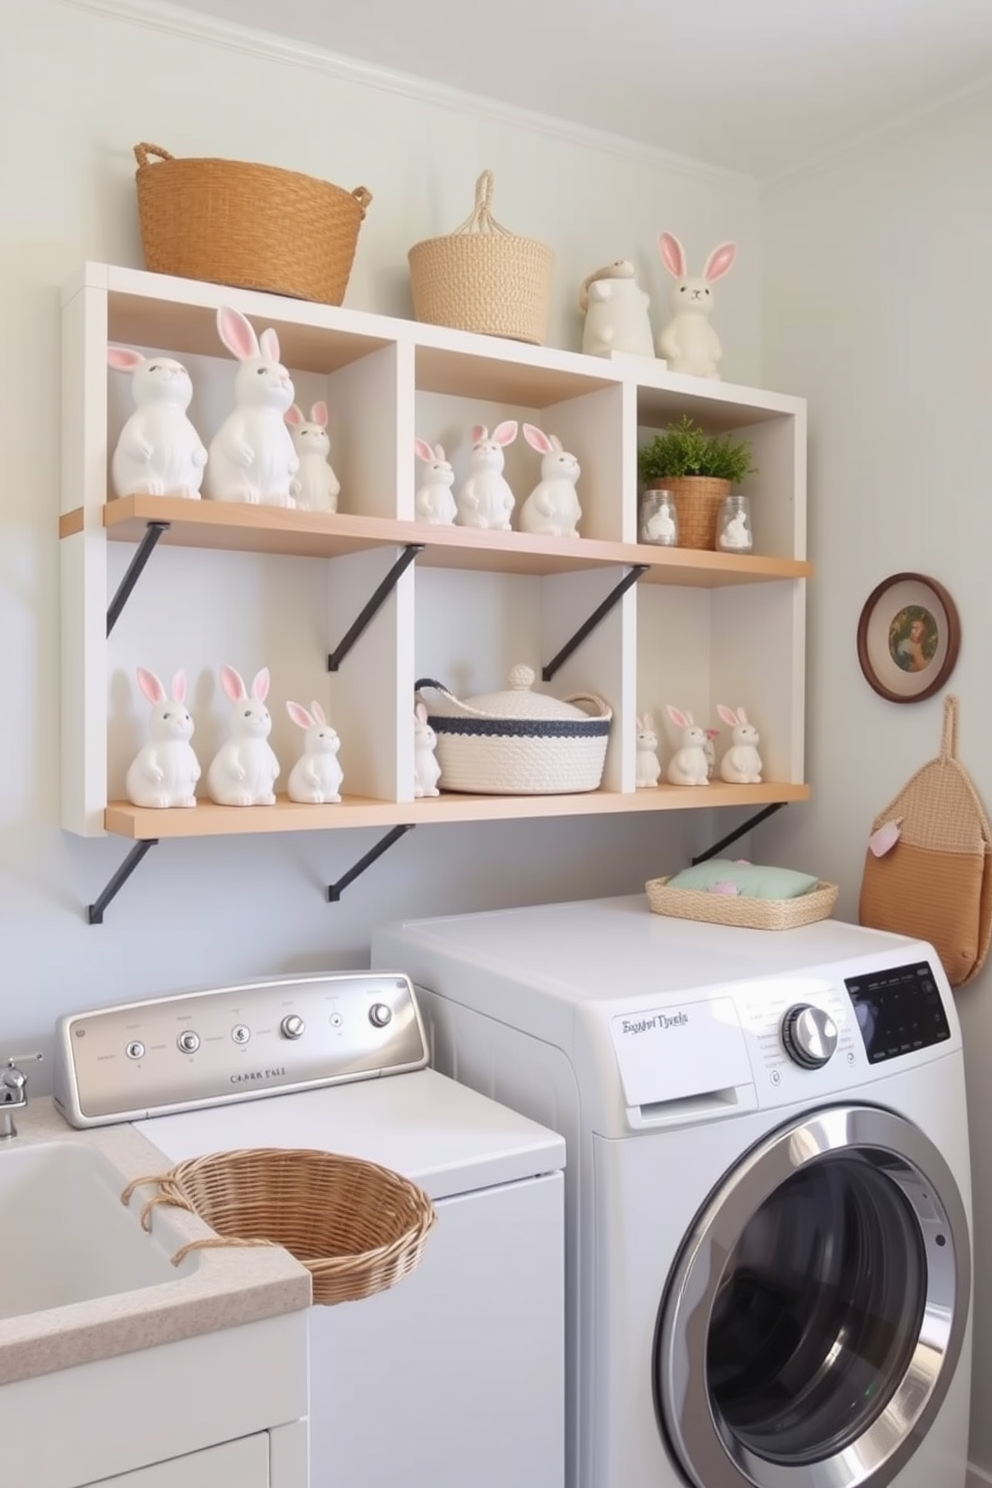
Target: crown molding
(161, 15)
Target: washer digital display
(898, 1010)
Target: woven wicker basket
(750, 914)
(482, 277)
(358, 1228)
(697, 502)
(253, 226)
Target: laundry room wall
(80, 84)
(878, 309)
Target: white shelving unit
(695, 629)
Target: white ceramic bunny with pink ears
(741, 765)
(252, 457)
(426, 768)
(317, 776)
(647, 766)
(687, 765)
(158, 452)
(164, 772)
(314, 487)
(688, 342)
(434, 501)
(552, 509)
(485, 498)
(244, 770)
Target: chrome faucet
(13, 1093)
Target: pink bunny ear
(423, 449)
(233, 684)
(720, 261)
(712, 733)
(151, 686)
(299, 715)
(123, 358)
(420, 712)
(270, 344)
(179, 687)
(294, 416)
(672, 254)
(318, 712)
(727, 714)
(537, 439)
(506, 432)
(479, 432)
(439, 452)
(680, 719)
(741, 715)
(318, 414)
(236, 333)
(260, 685)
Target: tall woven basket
(252, 226)
(482, 277)
(697, 503)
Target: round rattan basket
(252, 226)
(482, 277)
(697, 502)
(357, 1227)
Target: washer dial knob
(292, 1026)
(380, 1013)
(809, 1035)
(188, 1041)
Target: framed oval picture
(908, 637)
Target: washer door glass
(813, 1319)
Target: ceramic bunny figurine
(317, 776)
(164, 772)
(314, 487)
(252, 456)
(244, 771)
(158, 453)
(660, 526)
(687, 765)
(426, 770)
(485, 498)
(688, 342)
(434, 501)
(741, 765)
(616, 312)
(552, 508)
(647, 764)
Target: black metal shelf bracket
(367, 613)
(153, 531)
(731, 837)
(627, 582)
(335, 890)
(94, 913)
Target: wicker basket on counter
(740, 909)
(358, 1228)
(252, 226)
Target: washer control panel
(225, 1044)
(809, 1035)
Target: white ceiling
(759, 86)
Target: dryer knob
(380, 1014)
(809, 1035)
(292, 1026)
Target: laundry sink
(65, 1236)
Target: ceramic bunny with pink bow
(164, 772)
(158, 453)
(314, 487)
(252, 457)
(485, 498)
(244, 770)
(688, 342)
(317, 776)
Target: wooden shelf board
(499, 379)
(208, 820)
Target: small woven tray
(750, 914)
(358, 1228)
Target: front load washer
(455, 1375)
(768, 1189)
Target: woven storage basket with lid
(252, 226)
(357, 1227)
(482, 277)
(518, 742)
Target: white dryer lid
(442, 1135)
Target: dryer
(768, 1189)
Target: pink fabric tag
(885, 839)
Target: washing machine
(453, 1376)
(768, 1188)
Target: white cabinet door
(238, 1464)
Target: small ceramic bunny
(647, 764)
(244, 771)
(741, 765)
(736, 534)
(158, 453)
(552, 509)
(426, 770)
(687, 765)
(434, 501)
(164, 772)
(252, 455)
(688, 342)
(616, 312)
(660, 526)
(485, 498)
(314, 487)
(317, 776)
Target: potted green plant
(699, 470)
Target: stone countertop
(222, 1289)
